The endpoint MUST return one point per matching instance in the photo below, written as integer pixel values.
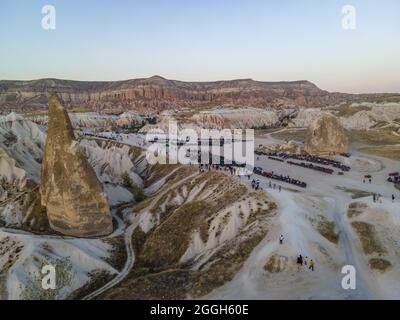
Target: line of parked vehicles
(279, 177)
(394, 178)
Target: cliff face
(75, 202)
(157, 94)
(236, 118)
(326, 135)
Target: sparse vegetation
(98, 278)
(182, 172)
(176, 283)
(37, 217)
(158, 171)
(158, 272)
(224, 265)
(276, 264)
(355, 193)
(118, 253)
(291, 134)
(141, 205)
(138, 240)
(355, 209)
(33, 290)
(379, 264)
(374, 137)
(171, 284)
(327, 229)
(390, 152)
(380, 98)
(368, 237)
(137, 192)
(169, 241)
(134, 151)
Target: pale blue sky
(201, 40)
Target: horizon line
(202, 81)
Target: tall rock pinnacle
(326, 135)
(73, 196)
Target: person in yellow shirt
(311, 265)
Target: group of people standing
(309, 263)
(255, 184)
(376, 197)
(218, 167)
(369, 179)
(273, 186)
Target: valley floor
(317, 222)
(328, 196)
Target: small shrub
(137, 192)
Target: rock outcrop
(236, 118)
(326, 135)
(356, 116)
(92, 120)
(73, 196)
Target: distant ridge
(156, 94)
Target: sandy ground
(321, 197)
(298, 208)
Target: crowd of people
(255, 184)
(113, 136)
(306, 261)
(378, 198)
(368, 178)
(231, 168)
(393, 178)
(279, 177)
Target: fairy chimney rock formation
(325, 136)
(73, 196)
